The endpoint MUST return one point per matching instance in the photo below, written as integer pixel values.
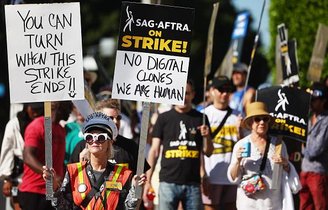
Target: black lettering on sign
(142, 90)
(47, 73)
(125, 89)
(134, 60)
(30, 22)
(31, 58)
(165, 92)
(156, 77)
(60, 21)
(47, 87)
(45, 41)
(170, 64)
(62, 59)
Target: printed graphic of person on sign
(282, 101)
(129, 20)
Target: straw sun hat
(255, 109)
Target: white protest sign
(152, 59)
(44, 52)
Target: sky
(255, 7)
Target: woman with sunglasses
(253, 161)
(97, 183)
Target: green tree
(302, 18)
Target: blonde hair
(87, 155)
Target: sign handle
(277, 168)
(142, 144)
(48, 150)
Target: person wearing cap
(32, 191)
(314, 179)
(184, 139)
(219, 191)
(125, 150)
(97, 183)
(243, 95)
(260, 160)
(11, 158)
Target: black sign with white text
(290, 107)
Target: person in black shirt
(184, 138)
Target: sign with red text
(152, 59)
(44, 52)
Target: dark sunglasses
(98, 138)
(226, 90)
(259, 119)
(118, 117)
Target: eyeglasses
(259, 119)
(98, 138)
(118, 117)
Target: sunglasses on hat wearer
(98, 138)
(259, 119)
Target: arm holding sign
(207, 140)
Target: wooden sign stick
(48, 150)
(277, 168)
(142, 143)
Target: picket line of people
(203, 166)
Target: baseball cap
(239, 67)
(223, 84)
(319, 90)
(98, 120)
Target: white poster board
(152, 59)
(44, 52)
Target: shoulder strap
(217, 130)
(96, 188)
(265, 155)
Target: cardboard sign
(152, 59)
(44, 52)
(290, 107)
(318, 54)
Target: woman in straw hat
(252, 164)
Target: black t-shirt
(182, 146)
(125, 151)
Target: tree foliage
(302, 18)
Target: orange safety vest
(78, 177)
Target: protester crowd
(219, 155)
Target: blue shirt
(316, 150)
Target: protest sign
(318, 54)
(152, 59)
(238, 35)
(288, 57)
(290, 107)
(44, 52)
(233, 54)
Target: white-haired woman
(97, 184)
(253, 169)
